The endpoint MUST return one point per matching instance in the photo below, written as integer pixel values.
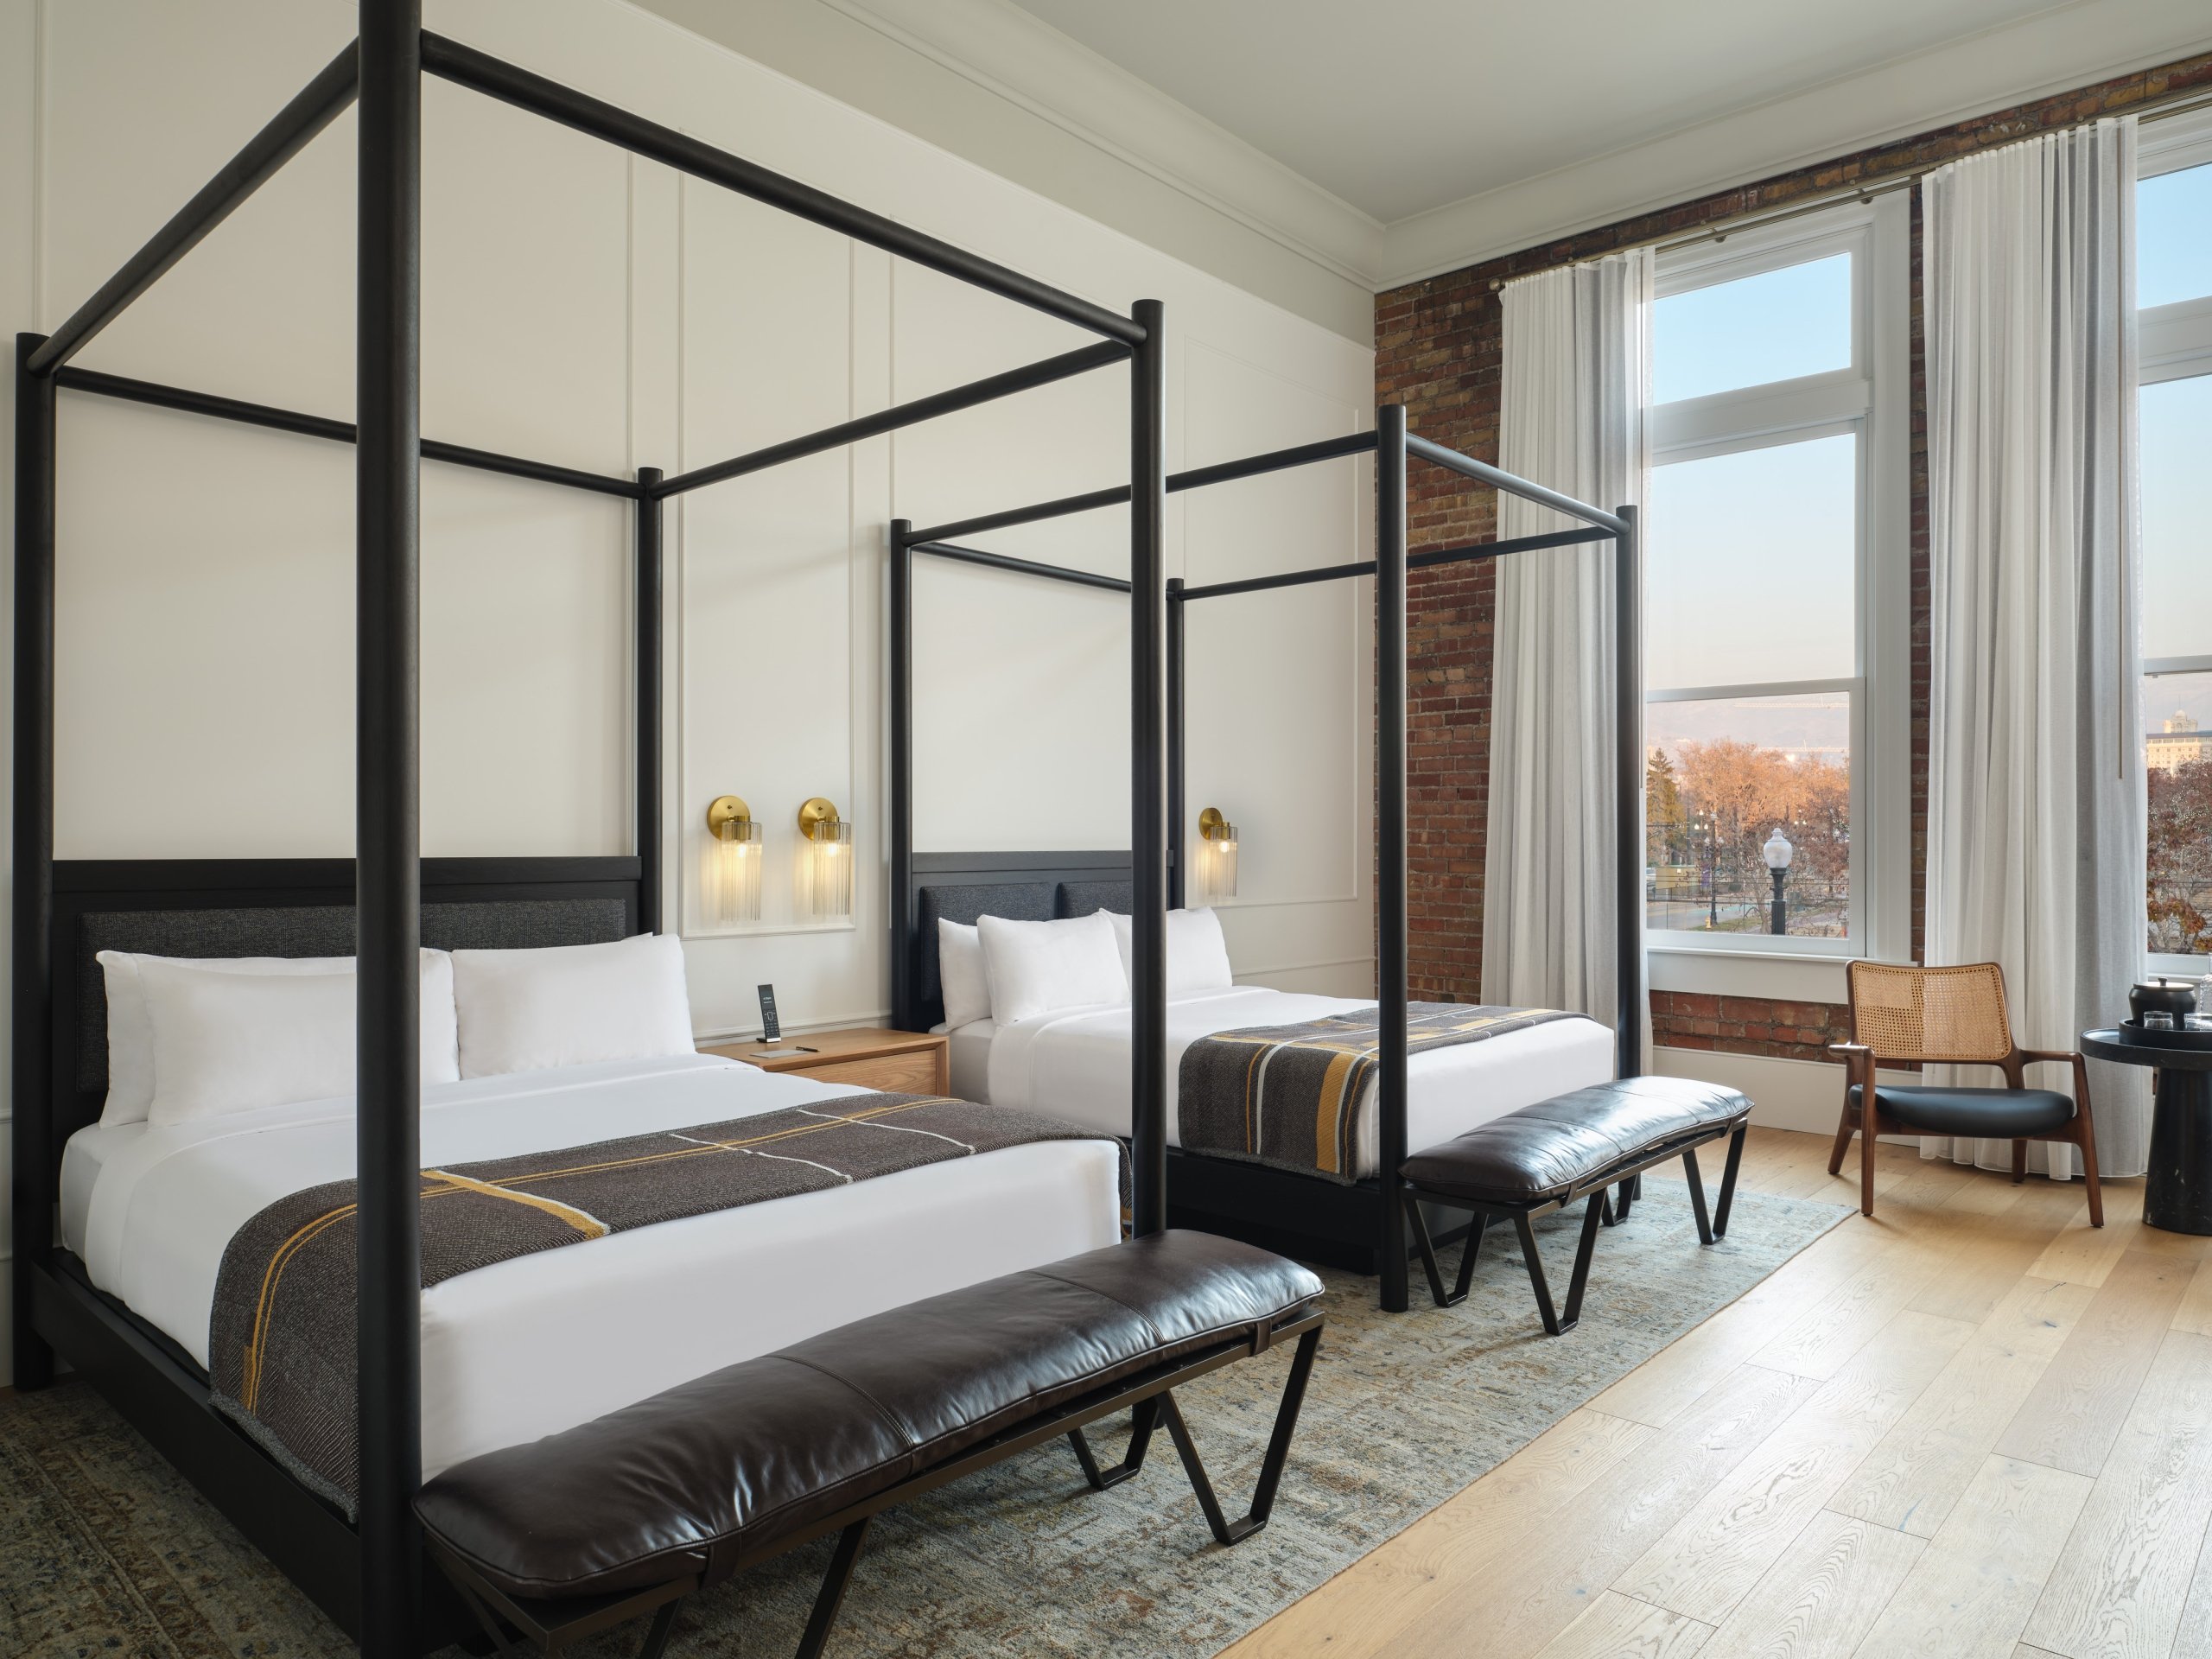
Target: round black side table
(2177, 1191)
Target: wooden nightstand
(905, 1062)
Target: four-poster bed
(368, 1575)
(1359, 1224)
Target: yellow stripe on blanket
(590, 1225)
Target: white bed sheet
(525, 1348)
(969, 1051)
(1075, 1064)
(82, 1159)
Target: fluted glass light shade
(1216, 858)
(732, 862)
(825, 863)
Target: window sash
(2183, 335)
(1853, 943)
(1869, 399)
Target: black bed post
(33, 966)
(1148, 804)
(1390, 837)
(1176, 899)
(900, 651)
(648, 694)
(388, 875)
(1628, 807)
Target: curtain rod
(1880, 184)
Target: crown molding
(1004, 50)
(997, 46)
(2049, 53)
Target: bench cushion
(1541, 1153)
(722, 1466)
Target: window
(1776, 583)
(2173, 229)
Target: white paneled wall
(583, 308)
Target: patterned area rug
(105, 1551)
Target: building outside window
(1776, 588)
(2173, 241)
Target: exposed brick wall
(1747, 1025)
(1437, 350)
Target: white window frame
(2176, 344)
(1871, 398)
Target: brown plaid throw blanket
(1292, 1095)
(281, 1337)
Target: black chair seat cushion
(1544, 1152)
(728, 1463)
(1988, 1114)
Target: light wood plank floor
(1971, 1426)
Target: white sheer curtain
(2036, 811)
(1577, 383)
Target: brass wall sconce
(825, 863)
(1217, 859)
(733, 860)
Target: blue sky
(2173, 237)
(1776, 325)
(1752, 557)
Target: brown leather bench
(632, 1512)
(1544, 1156)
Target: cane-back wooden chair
(1951, 1016)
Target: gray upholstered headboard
(1022, 886)
(291, 907)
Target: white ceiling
(1399, 107)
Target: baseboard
(1803, 1095)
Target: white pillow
(571, 1004)
(230, 1042)
(1041, 967)
(130, 1038)
(960, 970)
(1198, 956)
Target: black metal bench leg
(1728, 1180)
(1144, 1417)
(832, 1595)
(1593, 1214)
(1478, 1227)
(1417, 1224)
(662, 1627)
(1604, 1197)
(1627, 1197)
(1225, 1531)
(1535, 1264)
(1697, 1195)
(484, 1616)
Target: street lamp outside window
(1778, 853)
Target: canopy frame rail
(1393, 448)
(977, 393)
(320, 426)
(382, 71)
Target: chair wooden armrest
(2065, 1057)
(1858, 1062)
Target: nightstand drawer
(905, 1074)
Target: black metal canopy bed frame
(387, 899)
(1361, 1225)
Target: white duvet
(527, 1347)
(1075, 1064)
